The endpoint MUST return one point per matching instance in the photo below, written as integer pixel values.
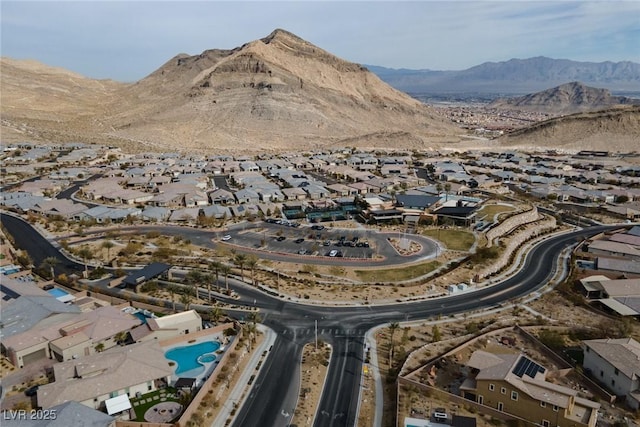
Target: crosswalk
(336, 332)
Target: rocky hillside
(276, 93)
(616, 129)
(565, 99)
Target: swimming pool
(56, 292)
(190, 357)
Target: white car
(226, 237)
(333, 253)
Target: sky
(125, 40)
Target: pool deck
(204, 335)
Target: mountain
(615, 129)
(564, 99)
(279, 92)
(515, 76)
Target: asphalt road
(274, 395)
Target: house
(618, 265)
(221, 196)
(155, 213)
(615, 363)
(137, 368)
(185, 215)
(66, 338)
(68, 414)
(161, 328)
(247, 196)
(614, 249)
(515, 384)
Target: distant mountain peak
(280, 34)
(567, 98)
(516, 76)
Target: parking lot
(321, 244)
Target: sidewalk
(236, 398)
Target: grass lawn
(489, 211)
(455, 240)
(142, 404)
(397, 274)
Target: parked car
(32, 391)
(226, 237)
(333, 252)
(317, 227)
(280, 238)
(300, 240)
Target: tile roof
(622, 353)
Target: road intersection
(342, 327)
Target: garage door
(33, 357)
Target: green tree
(252, 262)
(108, 244)
(215, 314)
(85, 253)
(240, 260)
(447, 189)
(436, 335)
(215, 266)
(49, 263)
(194, 277)
(186, 298)
(252, 320)
(173, 290)
(121, 337)
(225, 269)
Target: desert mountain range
(279, 92)
(272, 94)
(568, 98)
(515, 76)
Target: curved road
(274, 394)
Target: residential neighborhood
(164, 243)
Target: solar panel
(526, 366)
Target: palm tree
(108, 244)
(447, 188)
(173, 290)
(225, 269)
(194, 277)
(85, 253)
(252, 262)
(207, 279)
(393, 326)
(50, 262)
(185, 298)
(253, 318)
(215, 266)
(240, 260)
(215, 314)
(99, 347)
(251, 330)
(121, 337)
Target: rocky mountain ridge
(515, 76)
(565, 99)
(269, 94)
